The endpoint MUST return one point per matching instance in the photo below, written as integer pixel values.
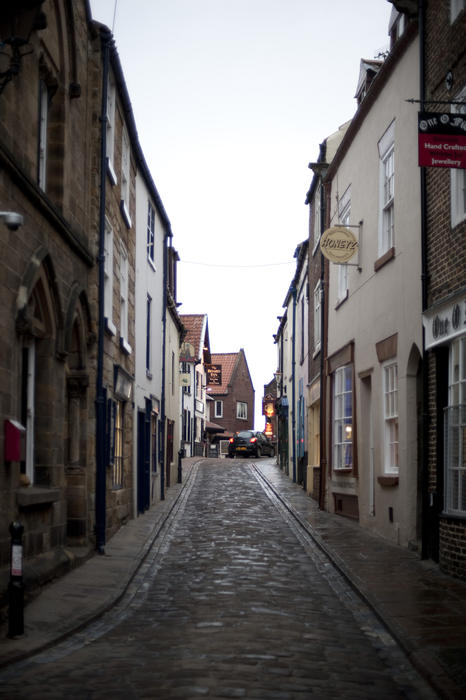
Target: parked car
(250, 442)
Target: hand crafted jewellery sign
(338, 244)
(442, 140)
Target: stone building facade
(48, 142)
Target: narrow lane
(233, 602)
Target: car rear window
(245, 433)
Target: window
(110, 142)
(148, 333)
(387, 191)
(343, 418)
(455, 430)
(150, 233)
(317, 218)
(219, 409)
(456, 6)
(317, 317)
(302, 329)
(43, 126)
(125, 177)
(108, 278)
(390, 397)
(344, 213)
(241, 410)
(117, 467)
(458, 176)
(124, 301)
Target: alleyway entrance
(233, 601)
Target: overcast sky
(231, 100)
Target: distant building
(229, 384)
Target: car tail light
(231, 439)
(254, 439)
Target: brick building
(233, 393)
(443, 88)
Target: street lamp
(12, 219)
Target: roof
(228, 361)
(197, 333)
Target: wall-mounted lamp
(18, 20)
(12, 219)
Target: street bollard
(16, 585)
(180, 468)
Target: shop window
(455, 431)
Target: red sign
(442, 140)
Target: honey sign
(338, 244)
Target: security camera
(12, 219)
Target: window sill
(388, 481)
(111, 173)
(125, 214)
(453, 516)
(125, 346)
(341, 301)
(109, 327)
(315, 353)
(343, 470)
(30, 496)
(384, 259)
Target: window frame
(344, 216)
(124, 300)
(125, 176)
(110, 128)
(390, 393)
(455, 431)
(241, 410)
(218, 405)
(340, 418)
(386, 232)
(151, 233)
(456, 7)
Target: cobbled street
(233, 601)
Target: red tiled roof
(228, 362)
(195, 325)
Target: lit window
(390, 390)
(343, 418)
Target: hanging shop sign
(214, 375)
(338, 244)
(442, 140)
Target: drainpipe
(293, 387)
(100, 472)
(323, 345)
(427, 510)
(164, 344)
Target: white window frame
(218, 412)
(390, 416)
(342, 438)
(43, 140)
(344, 216)
(124, 301)
(125, 176)
(151, 234)
(317, 316)
(118, 441)
(458, 176)
(108, 277)
(241, 410)
(386, 147)
(455, 430)
(456, 6)
(110, 130)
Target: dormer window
(396, 26)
